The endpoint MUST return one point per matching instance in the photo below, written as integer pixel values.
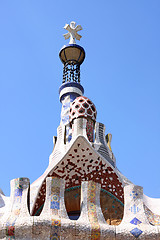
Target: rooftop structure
(82, 194)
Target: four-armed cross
(72, 32)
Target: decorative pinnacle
(72, 32)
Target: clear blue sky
(121, 75)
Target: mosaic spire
(72, 56)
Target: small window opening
(72, 198)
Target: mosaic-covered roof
(82, 163)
